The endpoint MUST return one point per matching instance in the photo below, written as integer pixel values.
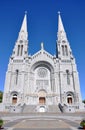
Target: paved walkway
(42, 121)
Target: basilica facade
(40, 82)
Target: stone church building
(42, 82)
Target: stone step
(29, 108)
(34, 108)
(54, 108)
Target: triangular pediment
(42, 54)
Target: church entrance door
(14, 100)
(42, 100)
(69, 100)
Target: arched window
(66, 51)
(63, 50)
(68, 77)
(21, 49)
(17, 72)
(18, 51)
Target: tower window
(21, 49)
(68, 77)
(18, 50)
(66, 51)
(63, 50)
(17, 73)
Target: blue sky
(42, 27)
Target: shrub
(82, 123)
(1, 122)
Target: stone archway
(42, 72)
(69, 98)
(42, 97)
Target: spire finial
(25, 12)
(59, 12)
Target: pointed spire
(64, 50)
(21, 46)
(24, 23)
(60, 24)
(23, 34)
(61, 30)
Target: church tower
(17, 68)
(68, 75)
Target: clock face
(42, 72)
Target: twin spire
(61, 30)
(23, 34)
(24, 24)
(60, 24)
(64, 50)
(21, 46)
(22, 42)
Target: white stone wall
(27, 77)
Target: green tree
(1, 96)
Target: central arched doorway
(42, 97)
(42, 100)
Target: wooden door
(70, 100)
(42, 100)
(14, 100)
